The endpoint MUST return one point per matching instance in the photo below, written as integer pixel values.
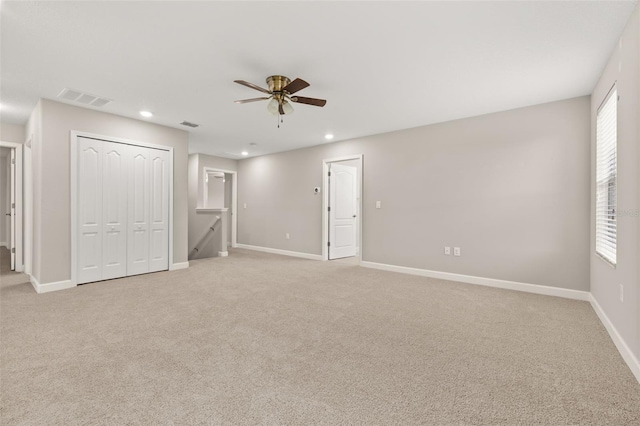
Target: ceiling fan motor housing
(277, 82)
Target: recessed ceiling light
(245, 153)
(328, 136)
(146, 114)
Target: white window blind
(606, 177)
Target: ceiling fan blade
(309, 101)
(295, 85)
(246, 101)
(253, 86)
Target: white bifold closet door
(148, 211)
(115, 165)
(89, 253)
(123, 210)
(159, 211)
(138, 239)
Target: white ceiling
(382, 66)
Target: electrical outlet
(378, 204)
(621, 293)
(456, 251)
(287, 235)
(447, 251)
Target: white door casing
(159, 210)
(343, 210)
(14, 224)
(132, 150)
(138, 205)
(89, 254)
(12, 209)
(115, 170)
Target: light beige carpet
(263, 339)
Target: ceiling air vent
(188, 124)
(83, 98)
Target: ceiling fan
(280, 92)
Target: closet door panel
(114, 172)
(138, 210)
(159, 237)
(89, 253)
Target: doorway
(11, 203)
(220, 190)
(342, 208)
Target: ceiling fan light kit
(280, 90)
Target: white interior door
(159, 211)
(12, 209)
(115, 170)
(89, 253)
(343, 190)
(138, 205)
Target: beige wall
(511, 189)
(34, 132)
(52, 241)
(12, 133)
(192, 185)
(215, 190)
(623, 68)
(228, 200)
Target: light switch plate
(447, 251)
(456, 251)
(378, 204)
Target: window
(606, 177)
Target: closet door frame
(74, 191)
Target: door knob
(354, 215)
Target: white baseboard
(489, 282)
(47, 287)
(622, 346)
(223, 253)
(282, 252)
(181, 265)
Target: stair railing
(202, 240)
